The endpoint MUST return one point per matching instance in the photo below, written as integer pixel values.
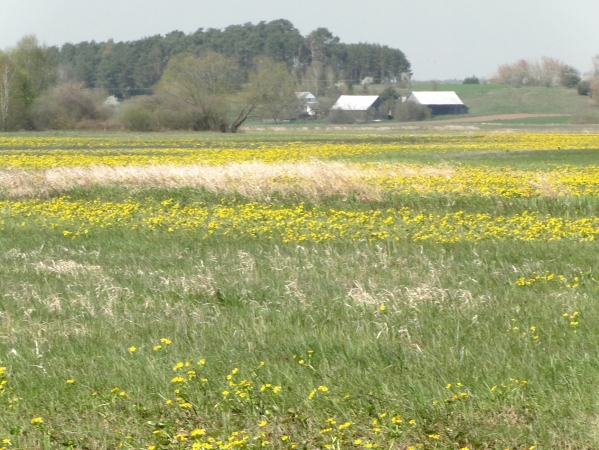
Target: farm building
(440, 102)
(308, 104)
(363, 107)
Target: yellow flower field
(75, 218)
(46, 152)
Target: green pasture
(439, 334)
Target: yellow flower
(433, 436)
(157, 347)
(37, 421)
(284, 438)
(382, 308)
(166, 341)
(71, 381)
(178, 380)
(263, 423)
(132, 349)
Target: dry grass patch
(254, 180)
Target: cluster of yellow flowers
(45, 152)
(560, 181)
(560, 281)
(531, 331)
(75, 218)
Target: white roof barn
(357, 102)
(440, 102)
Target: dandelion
(71, 381)
(382, 308)
(37, 421)
(157, 347)
(263, 423)
(132, 349)
(166, 341)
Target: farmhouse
(364, 107)
(308, 104)
(440, 102)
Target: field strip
(311, 180)
(501, 117)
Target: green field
(162, 338)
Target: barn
(440, 102)
(363, 107)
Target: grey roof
(355, 102)
(308, 96)
(436, 98)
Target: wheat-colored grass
(254, 180)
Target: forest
(65, 87)
(129, 68)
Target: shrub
(411, 112)
(471, 80)
(136, 116)
(584, 87)
(63, 106)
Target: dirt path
(500, 117)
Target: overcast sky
(442, 39)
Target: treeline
(60, 88)
(547, 72)
(130, 68)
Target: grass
(443, 335)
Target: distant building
(366, 81)
(363, 107)
(440, 102)
(308, 104)
(112, 101)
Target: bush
(584, 87)
(570, 80)
(471, 80)
(63, 106)
(411, 112)
(137, 116)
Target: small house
(308, 104)
(362, 107)
(440, 102)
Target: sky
(443, 39)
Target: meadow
(298, 290)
